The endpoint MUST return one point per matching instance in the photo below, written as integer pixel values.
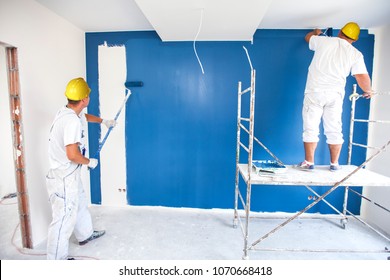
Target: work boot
(95, 234)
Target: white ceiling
(179, 20)
(215, 20)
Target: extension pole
(101, 144)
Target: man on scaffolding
(334, 59)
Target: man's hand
(317, 31)
(109, 123)
(93, 162)
(367, 95)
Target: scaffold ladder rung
(245, 90)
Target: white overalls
(334, 59)
(66, 194)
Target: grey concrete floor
(162, 233)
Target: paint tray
(270, 167)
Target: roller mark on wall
(112, 76)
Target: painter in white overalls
(66, 194)
(334, 59)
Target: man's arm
(96, 119)
(315, 32)
(93, 118)
(74, 155)
(364, 83)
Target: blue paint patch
(181, 125)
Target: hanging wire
(249, 59)
(196, 37)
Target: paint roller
(329, 32)
(128, 85)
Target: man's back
(334, 59)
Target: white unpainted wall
(112, 77)
(379, 134)
(51, 51)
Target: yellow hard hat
(77, 89)
(351, 30)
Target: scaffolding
(349, 175)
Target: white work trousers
(327, 106)
(69, 210)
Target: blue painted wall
(181, 125)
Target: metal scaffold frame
(346, 180)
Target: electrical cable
(249, 58)
(196, 37)
(8, 196)
(23, 250)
